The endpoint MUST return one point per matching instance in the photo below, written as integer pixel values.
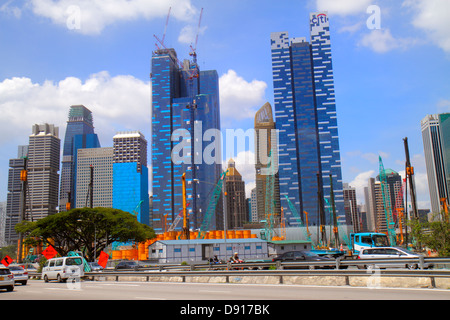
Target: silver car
(387, 253)
(6, 278)
(20, 275)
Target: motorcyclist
(235, 258)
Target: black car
(127, 265)
(301, 256)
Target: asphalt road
(99, 290)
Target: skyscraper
(266, 150)
(130, 174)
(43, 166)
(101, 160)
(185, 106)
(236, 204)
(13, 202)
(436, 145)
(305, 114)
(79, 134)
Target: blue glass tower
(79, 134)
(305, 114)
(185, 106)
(130, 175)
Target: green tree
(434, 235)
(88, 230)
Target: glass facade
(81, 124)
(305, 114)
(130, 187)
(185, 105)
(130, 175)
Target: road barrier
(333, 272)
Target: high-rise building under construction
(185, 105)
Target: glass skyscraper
(185, 105)
(79, 134)
(305, 113)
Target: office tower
(351, 208)
(305, 114)
(185, 107)
(101, 162)
(2, 224)
(254, 206)
(79, 134)
(436, 146)
(43, 166)
(130, 174)
(13, 202)
(266, 151)
(376, 219)
(236, 204)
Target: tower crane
(211, 207)
(193, 52)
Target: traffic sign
(50, 252)
(103, 259)
(6, 261)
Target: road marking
(214, 291)
(149, 298)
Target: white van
(63, 268)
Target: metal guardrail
(337, 268)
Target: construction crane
(399, 210)
(211, 207)
(193, 52)
(299, 219)
(177, 219)
(164, 34)
(409, 177)
(390, 224)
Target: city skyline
(380, 98)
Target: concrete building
(266, 164)
(236, 204)
(436, 146)
(101, 160)
(351, 208)
(13, 202)
(43, 171)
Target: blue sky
(94, 52)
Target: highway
(102, 290)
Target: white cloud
(343, 7)
(432, 17)
(11, 10)
(240, 99)
(382, 41)
(92, 16)
(189, 33)
(361, 181)
(117, 103)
